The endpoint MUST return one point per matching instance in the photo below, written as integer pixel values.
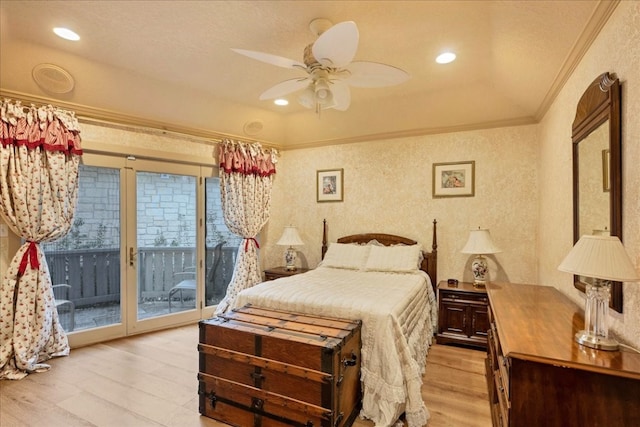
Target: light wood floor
(150, 380)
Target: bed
(388, 282)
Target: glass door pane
(221, 245)
(166, 224)
(85, 264)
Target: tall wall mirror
(597, 168)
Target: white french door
(164, 269)
(138, 256)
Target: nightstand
(277, 272)
(462, 314)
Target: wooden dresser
(539, 376)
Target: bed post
(434, 244)
(324, 237)
(432, 258)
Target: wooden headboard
(429, 261)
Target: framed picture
(454, 179)
(329, 185)
(606, 159)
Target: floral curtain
(246, 178)
(39, 158)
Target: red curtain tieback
(246, 243)
(30, 256)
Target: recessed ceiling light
(66, 34)
(281, 102)
(445, 58)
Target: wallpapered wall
(616, 50)
(388, 188)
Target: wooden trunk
(270, 368)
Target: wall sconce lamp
(290, 238)
(603, 259)
(480, 244)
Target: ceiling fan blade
(279, 61)
(373, 74)
(337, 46)
(284, 88)
(341, 95)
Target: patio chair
(188, 282)
(58, 291)
(215, 286)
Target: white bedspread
(399, 315)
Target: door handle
(132, 257)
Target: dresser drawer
(504, 372)
(503, 400)
(463, 297)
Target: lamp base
(290, 256)
(480, 270)
(479, 284)
(596, 315)
(593, 341)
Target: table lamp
(480, 244)
(290, 238)
(604, 259)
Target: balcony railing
(94, 274)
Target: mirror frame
(599, 103)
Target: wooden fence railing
(94, 274)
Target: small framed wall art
(454, 179)
(329, 185)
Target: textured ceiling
(169, 63)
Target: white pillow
(346, 255)
(393, 258)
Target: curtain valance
(247, 158)
(48, 127)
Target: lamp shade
(480, 243)
(290, 237)
(600, 257)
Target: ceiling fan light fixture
(281, 102)
(307, 97)
(323, 92)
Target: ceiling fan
(329, 67)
